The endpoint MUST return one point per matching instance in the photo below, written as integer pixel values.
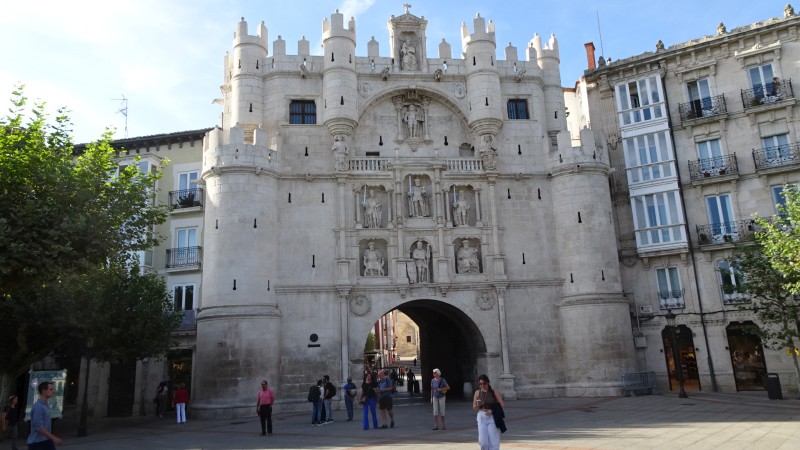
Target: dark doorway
(747, 356)
(687, 358)
(180, 369)
(121, 386)
(449, 341)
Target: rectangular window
(670, 293)
(185, 180)
(710, 154)
(700, 97)
(762, 81)
(730, 280)
(779, 196)
(185, 252)
(777, 151)
(183, 296)
(639, 101)
(302, 112)
(648, 157)
(657, 219)
(722, 223)
(517, 109)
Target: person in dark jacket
(489, 404)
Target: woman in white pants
(483, 400)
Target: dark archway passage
(449, 341)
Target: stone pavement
(746, 420)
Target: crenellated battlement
(589, 156)
(335, 27)
(482, 32)
(240, 36)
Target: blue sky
(165, 56)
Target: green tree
(772, 278)
(69, 224)
(369, 345)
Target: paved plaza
(703, 421)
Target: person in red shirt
(266, 397)
(179, 401)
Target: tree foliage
(69, 224)
(772, 276)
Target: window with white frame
(776, 150)
(762, 80)
(730, 280)
(185, 253)
(648, 157)
(722, 223)
(709, 153)
(700, 97)
(670, 293)
(186, 179)
(658, 218)
(183, 297)
(640, 100)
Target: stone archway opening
(687, 362)
(447, 340)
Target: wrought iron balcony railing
(186, 198)
(774, 91)
(671, 299)
(184, 257)
(782, 155)
(713, 167)
(720, 233)
(731, 296)
(704, 107)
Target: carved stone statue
(408, 55)
(461, 210)
(660, 46)
(373, 262)
(418, 200)
(488, 153)
(339, 150)
(721, 28)
(372, 211)
(420, 256)
(414, 120)
(385, 74)
(467, 259)
(788, 11)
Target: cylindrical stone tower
(483, 80)
(339, 81)
(595, 320)
(238, 313)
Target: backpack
(333, 390)
(313, 393)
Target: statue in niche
(414, 120)
(461, 210)
(421, 262)
(373, 262)
(372, 211)
(408, 55)
(417, 200)
(339, 150)
(467, 259)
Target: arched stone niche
(421, 268)
(463, 205)
(419, 196)
(468, 258)
(374, 205)
(373, 258)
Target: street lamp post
(675, 353)
(82, 426)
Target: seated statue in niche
(408, 55)
(421, 263)
(417, 200)
(372, 211)
(461, 210)
(467, 259)
(373, 262)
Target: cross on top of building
(407, 7)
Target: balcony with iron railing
(767, 94)
(777, 157)
(671, 299)
(703, 108)
(725, 232)
(716, 167)
(184, 258)
(186, 198)
(731, 296)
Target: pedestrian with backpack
(315, 397)
(330, 392)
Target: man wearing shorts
(385, 389)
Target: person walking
(439, 388)
(369, 394)
(161, 398)
(410, 380)
(349, 395)
(179, 400)
(11, 419)
(266, 397)
(42, 437)
(385, 390)
(489, 404)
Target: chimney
(590, 55)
